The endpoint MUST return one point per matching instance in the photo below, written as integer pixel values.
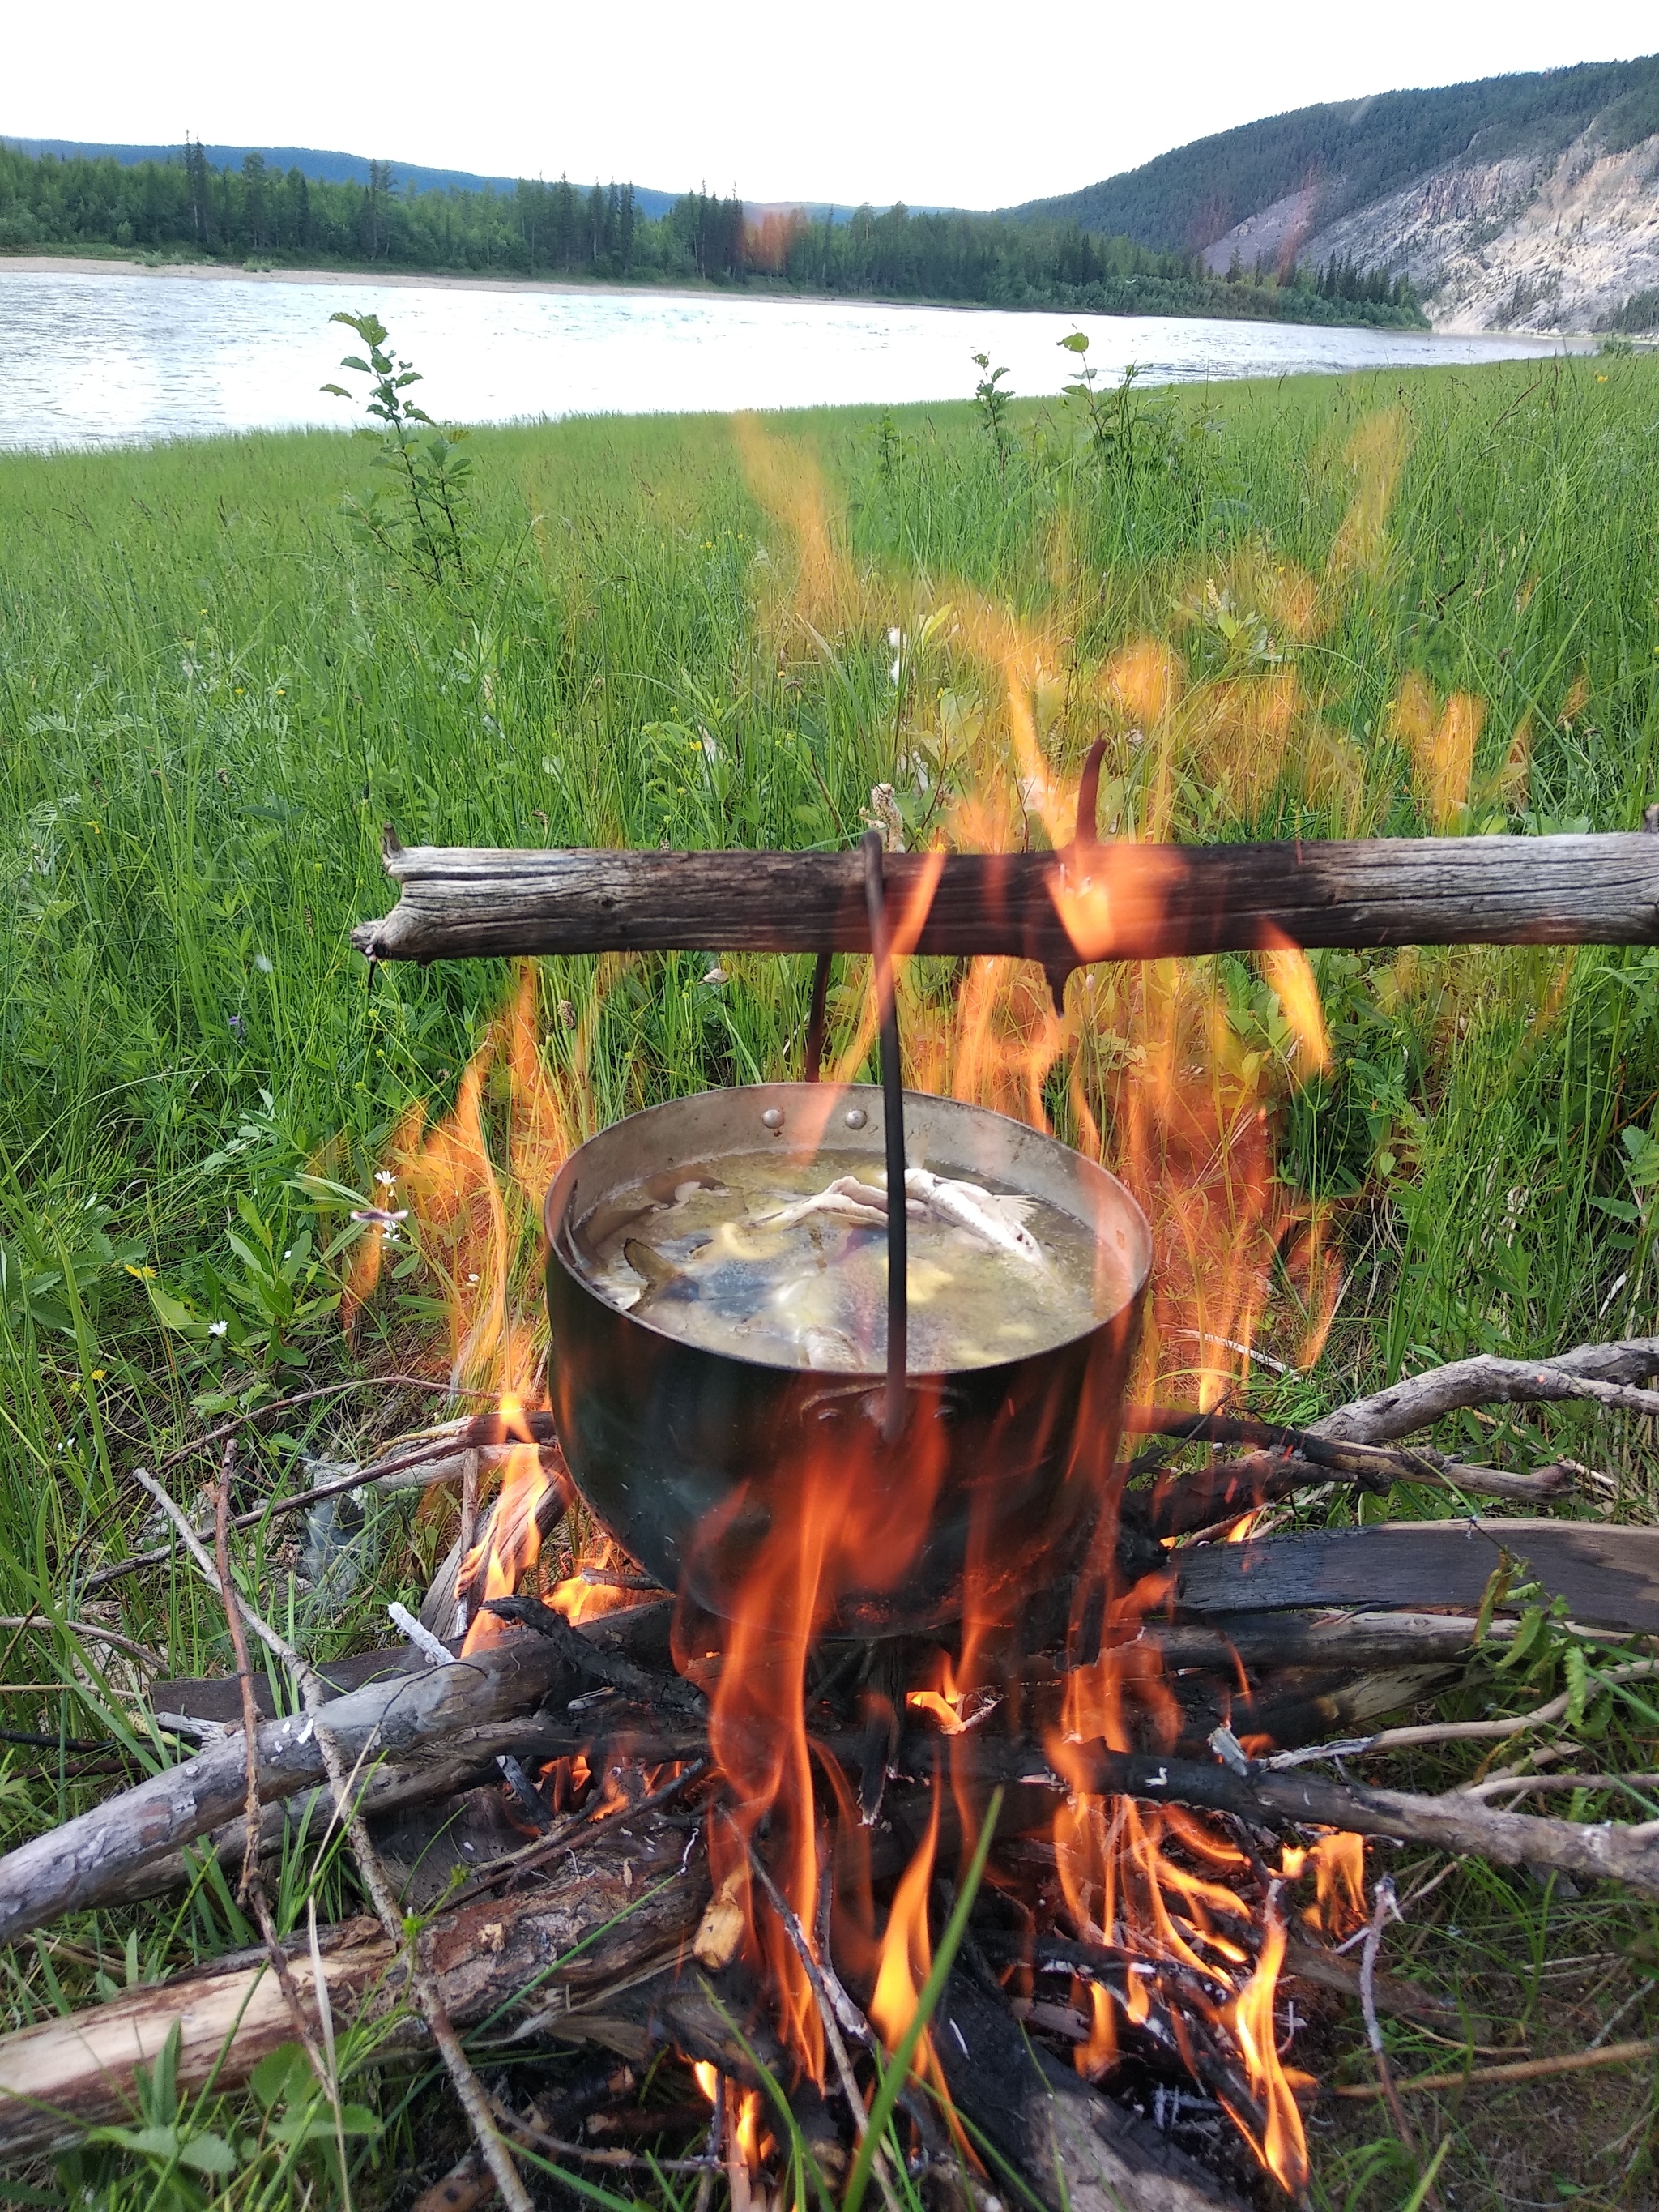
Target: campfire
(919, 1744)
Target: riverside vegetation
(1371, 605)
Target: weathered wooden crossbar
(1062, 909)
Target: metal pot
(696, 1460)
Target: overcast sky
(972, 106)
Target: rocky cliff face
(1560, 244)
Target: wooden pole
(1063, 910)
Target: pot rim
(1114, 1193)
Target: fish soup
(770, 1256)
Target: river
(106, 357)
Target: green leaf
(208, 2153)
(1528, 1640)
(1577, 1667)
(1078, 342)
(273, 2078)
(172, 1312)
(164, 2078)
(161, 2143)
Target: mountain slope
(1510, 202)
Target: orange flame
(1171, 1073)
(1339, 1863)
(1283, 2145)
(907, 1957)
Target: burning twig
(669, 1691)
(548, 1847)
(1602, 1852)
(836, 2008)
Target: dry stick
(1418, 1400)
(1384, 1905)
(1402, 1739)
(627, 2162)
(1523, 1785)
(253, 1887)
(1523, 2070)
(828, 2009)
(309, 1397)
(427, 1995)
(43, 1624)
(374, 1471)
(469, 1529)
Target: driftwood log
(73, 1865)
(1064, 910)
(493, 1956)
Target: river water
(107, 358)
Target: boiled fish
(999, 1221)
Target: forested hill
(1514, 202)
(1352, 153)
(187, 206)
(317, 164)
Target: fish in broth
(781, 1259)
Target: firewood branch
(1064, 910)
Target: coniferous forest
(184, 206)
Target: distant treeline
(256, 213)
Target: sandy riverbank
(219, 272)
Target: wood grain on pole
(1062, 909)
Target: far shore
(225, 272)
(220, 272)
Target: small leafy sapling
(993, 403)
(1111, 417)
(424, 523)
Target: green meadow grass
(213, 693)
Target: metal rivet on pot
(856, 1117)
(772, 1119)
